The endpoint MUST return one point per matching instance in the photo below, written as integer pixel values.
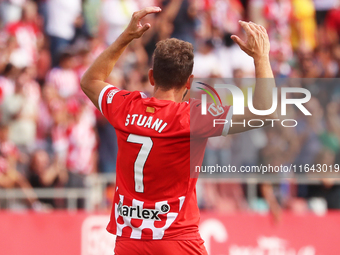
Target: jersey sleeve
(110, 98)
(214, 122)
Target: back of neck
(171, 95)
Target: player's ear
(189, 81)
(151, 79)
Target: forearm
(49, 176)
(94, 79)
(27, 189)
(263, 68)
(6, 182)
(265, 84)
(103, 65)
(257, 46)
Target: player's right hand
(257, 42)
(135, 29)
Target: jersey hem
(192, 236)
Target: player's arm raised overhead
(93, 80)
(257, 46)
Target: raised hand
(257, 42)
(94, 79)
(135, 29)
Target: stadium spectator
(116, 14)
(333, 25)
(62, 19)
(206, 61)
(9, 175)
(322, 7)
(44, 61)
(81, 157)
(182, 14)
(10, 11)
(27, 34)
(7, 84)
(224, 198)
(20, 110)
(303, 25)
(59, 126)
(329, 190)
(44, 174)
(64, 78)
(226, 14)
(107, 148)
(278, 15)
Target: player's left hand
(135, 29)
(257, 42)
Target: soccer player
(155, 209)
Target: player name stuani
(146, 122)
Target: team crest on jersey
(111, 95)
(215, 110)
(137, 212)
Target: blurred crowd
(52, 136)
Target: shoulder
(109, 92)
(112, 98)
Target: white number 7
(141, 158)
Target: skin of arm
(20, 181)
(51, 173)
(93, 80)
(6, 182)
(256, 46)
(63, 174)
(26, 188)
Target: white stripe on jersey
(100, 99)
(227, 124)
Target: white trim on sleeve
(100, 99)
(227, 125)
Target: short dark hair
(173, 61)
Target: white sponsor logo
(215, 230)
(238, 100)
(271, 245)
(215, 110)
(94, 237)
(111, 95)
(137, 212)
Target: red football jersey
(155, 195)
